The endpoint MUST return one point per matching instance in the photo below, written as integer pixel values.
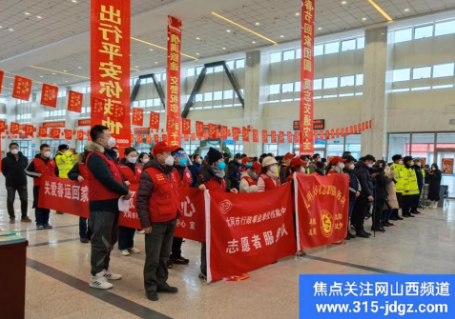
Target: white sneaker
(134, 250)
(125, 252)
(111, 276)
(100, 282)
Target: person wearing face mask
(158, 207)
(354, 189)
(106, 186)
(268, 179)
(64, 161)
(13, 168)
(320, 169)
(116, 150)
(411, 188)
(212, 178)
(285, 167)
(131, 172)
(420, 174)
(195, 169)
(398, 166)
(434, 184)
(234, 171)
(246, 164)
(312, 167)
(336, 166)
(42, 165)
(381, 196)
(249, 180)
(392, 204)
(362, 206)
(143, 159)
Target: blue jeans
(84, 231)
(42, 216)
(386, 214)
(126, 237)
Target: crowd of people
(377, 190)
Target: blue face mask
(221, 166)
(323, 171)
(183, 161)
(249, 164)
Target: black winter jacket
(354, 185)
(362, 171)
(234, 174)
(14, 170)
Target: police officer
(399, 168)
(411, 188)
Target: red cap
(162, 147)
(297, 161)
(288, 156)
(337, 159)
(246, 160)
(257, 167)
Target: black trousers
(11, 196)
(407, 202)
(378, 211)
(176, 247)
(158, 246)
(416, 200)
(358, 214)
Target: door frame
(436, 157)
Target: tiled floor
(58, 264)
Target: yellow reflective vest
(64, 163)
(411, 187)
(400, 177)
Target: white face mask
(132, 159)
(419, 164)
(15, 151)
(370, 165)
(47, 154)
(111, 142)
(401, 162)
(352, 167)
(169, 161)
(340, 165)
(145, 160)
(302, 170)
(412, 164)
(199, 161)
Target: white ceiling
(63, 19)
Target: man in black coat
(362, 171)
(234, 171)
(13, 168)
(418, 169)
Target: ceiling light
(160, 47)
(151, 50)
(320, 28)
(27, 13)
(79, 67)
(11, 29)
(66, 81)
(406, 10)
(74, 1)
(41, 76)
(197, 53)
(363, 19)
(380, 10)
(156, 62)
(297, 14)
(281, 36)
(39, 17)
(1, 27)
(228, 30)
(257, 23)
(198, 38)
(253, 42)
(53, 73)
(343, 2)
(137, 66)
(243, 28)
(224, 48)
(64, 71)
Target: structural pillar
(375, 91)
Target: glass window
(287, 87)
(399, 144)
(218, 69)
(239, 64)
(190, 72)
(423, 32)
(442, 28)
(228, 94)
(158, 77)
(198, 97)
(230, 64)
(423, 146)
(275, 57)
(333, 47)
(401, 75)
(163, 78)
(331, 83)
(218, 95)
(317, 84)
(209, 71)
(442, 70)
(347, 81)
(361, 43)
(348, 45)
(318, 49)
(208, 96)
(421, 73)
(198, 70)
(298, 54)
(288, 55)
(403, 35)
(359, 79)
(275, 89)
(297, 86)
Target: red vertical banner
(174, 39)
(212, 131)
(156, 138)
(327, 135)
(281, 137)
(332, 134)
(337, 132)
(359, 128)
(14, 128)
(229, 132)
(75, 101)
(351, 130)
(289, 137)
(235, 133)
(55, 133)
(265, 137)
(68, 134)
(206, 135)
(342, 132)
(316, 136)
(28, 130)
(273, 137)
(2, 126)
(223, 133)
(140, 138)
(97, 109)
(193, 137)
(255, 136)
(49, 95)
(370, 123)
(355, 129)
(363, 126)
(173, 123)
(245, 134)
(132, 139)
(22, 88)
(307, 77)
(186, 126)
(80, 135)
(154, 121)
(110, 64)
(346, 131)
(199, 129)
(148, 139)
(1, 80)
(42, 131)
(138, 116)
(297, 137)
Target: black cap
(396, 157)
(349, 158)
(263, 155)
(238, 155)
(214, 155)
(407, 159)
(316, 155)
(369, 158)
(63, 147)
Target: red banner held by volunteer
(191, 223)
(49, 95)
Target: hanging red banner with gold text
(49, 95)
(224, 133)
(110, 64)
(1, 80)
(154, 121)
(75, 101)
(138, 116)
(55, 133)
(14, 128)
(264, 136)
(174, 39)
(68, 134)
(306, 78)
(235, 133)
(22, 88)
(28, 129)
(186, 126)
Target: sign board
(317, 125)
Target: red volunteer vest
(214, 186)
(331, 172)
(82, 170)
(269, 184)
(43, 168)
(129, 175)
(186, 181)
(98, 191)
(250, 181)
(165, 200)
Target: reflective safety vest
(400, 177)
(64, 163)
(45, 169)
(411, 187)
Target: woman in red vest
(336, 166)
(249, 180)
(268, 179)
(131, 173)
